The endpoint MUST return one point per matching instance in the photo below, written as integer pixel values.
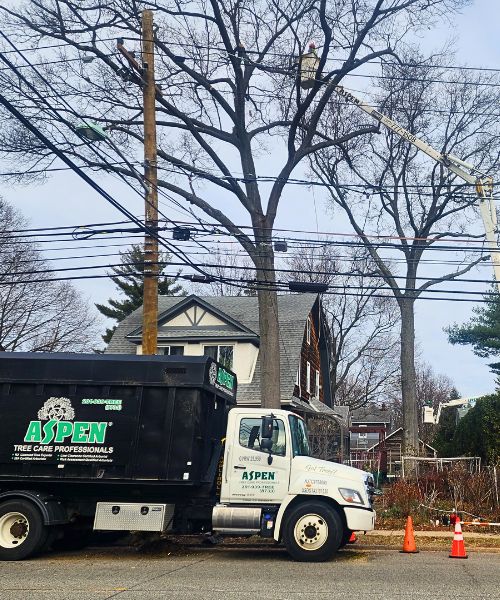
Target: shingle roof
(200, 332)
(293, 311)
(396, 432)
(371, 413)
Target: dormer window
(308, 330)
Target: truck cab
(272, 486)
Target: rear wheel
(22, 532)
(312, 532)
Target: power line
(453, 248)
(291, 271)
(187, 44)
(61, 155)
(75, 167)
(255, 285)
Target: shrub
(402, 498)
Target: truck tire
(312, 532)
(22, 532)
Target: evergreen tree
(482, 332)
(478, 433)
(128, 278)
(443, 441)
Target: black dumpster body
(89, 428)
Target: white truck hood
(306, 465)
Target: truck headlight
(351, 496)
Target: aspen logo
(60, 427)
(255, 475)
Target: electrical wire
(187, 44)
(138, 175)
(61, 155)
(290, 271)
(424, 278)
(256, 285)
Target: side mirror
(266, 428)
(266, 444)
(266, 436)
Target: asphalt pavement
(248, 574)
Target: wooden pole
(151, 269)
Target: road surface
(125, 573)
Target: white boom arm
(467, 172)
(428, 413)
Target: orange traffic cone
(409, 545)
(353, 539)
(458, 546)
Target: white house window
(308, 377)
(308, 330)
(222, 354)
(171, 350)
(316, 386)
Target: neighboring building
(385, 456)
(369, 426)
(227, 328)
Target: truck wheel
(22, 531)
(312, 532)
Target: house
(227, 329)
(369, 426)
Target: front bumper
(359, 519)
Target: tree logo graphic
(212, 374)
(57, 409)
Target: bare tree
(227, 268)
(390, 189)
(228, 71)
(361, 321)
(432, 389)
(36, 313)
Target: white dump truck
(140, 443)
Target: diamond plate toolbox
(133, 516)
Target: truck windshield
(300, 445)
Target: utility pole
(151, 269)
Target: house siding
(310, 353)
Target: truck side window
(250, 435)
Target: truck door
(250, 477)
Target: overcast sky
(66, 200)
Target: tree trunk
(269, 352)
(408, 383)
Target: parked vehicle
(155, 443)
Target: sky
(63, 199)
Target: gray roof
(342, 415)
(182, 333)
(293, 310)
(371, 413)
